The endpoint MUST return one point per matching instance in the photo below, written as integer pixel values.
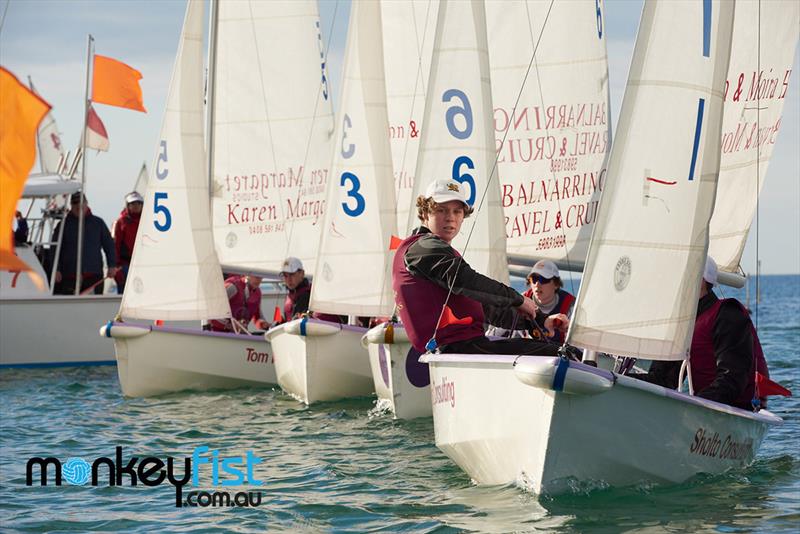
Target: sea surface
(347, 466)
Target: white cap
(133, 197)
(442, 191)
(545, 269)
(292, 265)
(710, 272)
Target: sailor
(96, 238)
(725, 351)
(124, 233)
(546, 290)
(244, 297)
(296, 303)
(426, 268)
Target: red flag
(394, 242)
(449, 318)
(765, 387)
(116, 84)
(277, 317)
(96, 135)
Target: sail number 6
(464, 110)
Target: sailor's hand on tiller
(528, 308)
(556, 322)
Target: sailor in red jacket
(546, 290)
(124, 232)
(296, 303)
(244, 296)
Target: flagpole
(79, 267)
(38, 137)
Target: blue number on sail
(697, 130)
(162, 156)
(464, 110)
(465, 178)
(322, 63)
(355, 186)
(706, 27)
(160, 208)
(599, 19)
(351, 149)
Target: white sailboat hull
(52, 331)
(325, 363)
(401, 382)
(500, 428)
(153, 360)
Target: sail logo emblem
(622, 273)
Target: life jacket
(420, 302)
(242, 310)
(704, 361)
(125, 235)
(291, 299)
(563, 304)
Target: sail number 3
(348, 150)
(159, 207)
(460, 131)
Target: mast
(79, 266)
(38, 137)
(210, 83)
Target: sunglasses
(535, 278)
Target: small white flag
(96, 136)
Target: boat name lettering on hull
(444, 393)
(258, 357)
(707, 444)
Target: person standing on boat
(124, 233)
(725, 350)
(96, 239)
(244, 296)
(426, 268)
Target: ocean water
(346, 466)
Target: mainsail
(458, 137)
(353, 262)
(175, 274)
(552, 148)
(642, 276)
(408, 33)
(271, 133)
(765, 36)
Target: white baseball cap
(442, 191)
(545, 269)
(292, 265)
(711, 271)
(133, 196)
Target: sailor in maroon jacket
(296, 303)
(125, 229)
(725, 351)
(426, 267)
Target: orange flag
(116, 84)
(448, 318)
(277, 317)
(21, 111)
(394, 242)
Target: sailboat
(558, 102)
(319, 360)
(175, 273)
(561, 423)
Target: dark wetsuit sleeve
(301, 304)
(433, 259)
(662, 373)
(733, 349)
(108, 245)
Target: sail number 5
(464, 109)
(158, 207)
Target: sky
(47, 40)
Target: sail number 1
(159, 207)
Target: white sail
(352, 272)
(272, 127)
(458, 137)
(551, 163)
(765, 36)
(48, 141)
(409, 28)
(141, 180)
(175, 274)
(642, 277)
